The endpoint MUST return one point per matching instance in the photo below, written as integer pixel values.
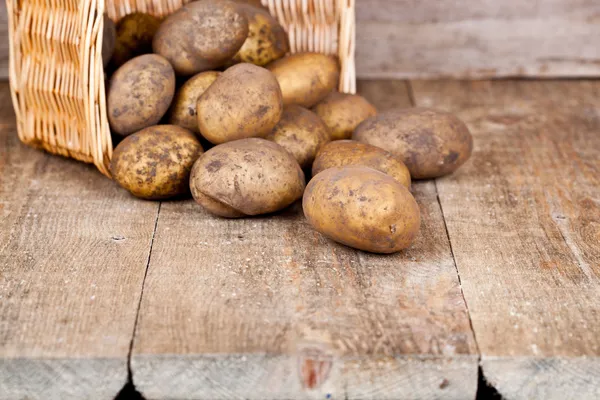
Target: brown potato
(246, 177)
(306, 78)
(155, 163)
(266, 42)
(343, 112)
(245, 101)
(134, 37)
(201, 36)
(140, 93)
(301, 133)
(341, 153)
(183, 109)
(362, 208)
(109, 38)
(431, 143)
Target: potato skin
(201, 36)
(301, 132)
(246, 177)
(245, 101)
(343, 112)
(362, 208)
(267, 40)
(183, 109)
(341, 153)
(306, 78)
(431, 143)
(155, 163)
(140, 93)
(134, 34)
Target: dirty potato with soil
(201, 35)
(140, 93)
(306, 78)
(343, 112)
(362, 208)
(246, 177)
(134, 34)
(341, 153)
(301, 132)
(431, 143)
(155, 163)
(245, 101)
(183, 109)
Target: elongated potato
(245, 101)
(431, 143)
(246, 177)
(301, 132)
(341, 153)
(343, 112)
(362, 208)
(306, 78)
(183, 109)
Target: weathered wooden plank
(263, 308)
(73, 253)
(524, 222)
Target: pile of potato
(216, 72)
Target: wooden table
(503, 281)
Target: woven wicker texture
(56, 74)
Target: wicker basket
(56, 74)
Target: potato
(301, 133)
(245, 101)
(349, 152)
(362, 208)
(109, 38)
(183, 109)
(266, 42)
(155, 163)
(134, 37)
(246, 177)
(431, 143)
(140, 93)
(201, 36)
(343, 112)
(306, 78)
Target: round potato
(201, 36)
(362, 208)
(343, 112)
(301, 133)
(306, 78)
(155, 163)
(246, 177)
(266, 42)
(245, 101)
(140, 93)
(183, 109)
(341, 153)
(109, 38)
(134, 37)
(431, 143)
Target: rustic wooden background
(464, 38)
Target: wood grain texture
(524, 222)
(73, 252)
(266, 308)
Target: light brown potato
(155, 163)
(140, 93)
(183, 109)
(362, 208)
(133, 37)
(306, 78)
(431, 143)
(201, 36)
(301, 133)
(341, 153)
(266, 42)
(245, 101)
(246, 177)
(109, 38)
(343, 112)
